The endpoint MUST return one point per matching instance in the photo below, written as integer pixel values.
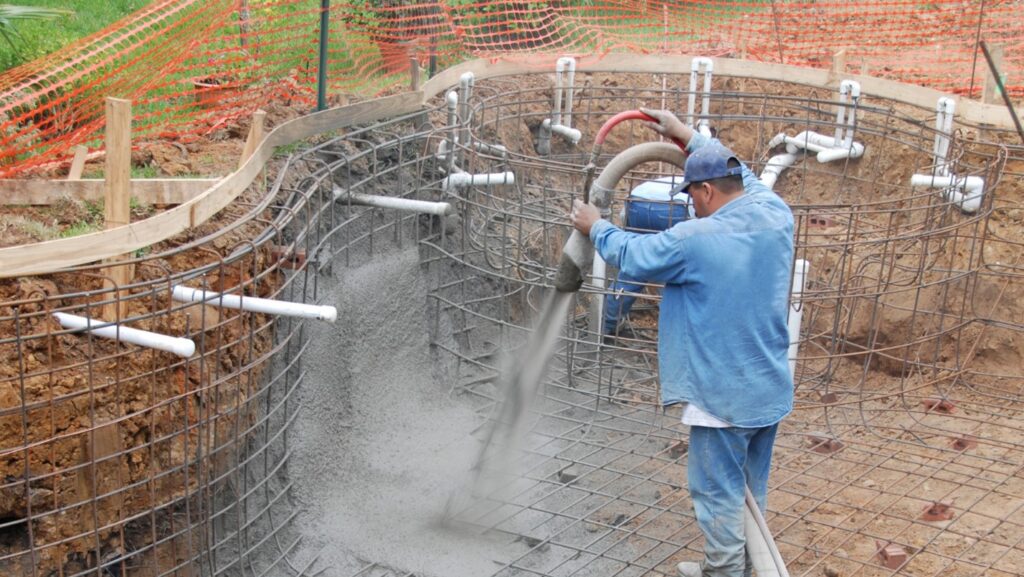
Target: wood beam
(148, 191)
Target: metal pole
(321, 73)
(1002, 90)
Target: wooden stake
(98, 478)
(990, 92)
(839, 62)
(259, 119)
(414, 71)
(117, 195)
(78, 163)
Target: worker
(653, 206)
(723, 339)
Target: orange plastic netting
(187, 65)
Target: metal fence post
(321, 73)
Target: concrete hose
(578, 252)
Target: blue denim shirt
(722, 334)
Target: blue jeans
(721, 462)
(642, 216)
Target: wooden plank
(147, 190)
(78, 163)
(990, 91)
(117, 211)
(54, 255)
(255, 136)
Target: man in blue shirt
(722, 338)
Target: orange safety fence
(190, 65)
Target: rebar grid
(893, 431)
(893, 420)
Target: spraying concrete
(380, 443)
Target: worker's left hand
(583, 216)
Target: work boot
(689, 569)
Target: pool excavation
(358, 324)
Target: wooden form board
(967, 111)
(50, 256)
(148, 191)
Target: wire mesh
(902, 457)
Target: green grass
(79, 228)
(42, 38)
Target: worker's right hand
(668, 125)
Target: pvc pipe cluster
(448, 154)
(964, 191)
(393, 202)
(255, 305)
(701, 123)
(179, 346)
(560, 122)
(825, 148)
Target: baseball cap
(709, 162)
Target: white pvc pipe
(565, 77)
(764, 554)
(965, 192)
(691, 102)
(844, 128)
(773, 169)
(570, 134)
(393, 202)
(569, 90)
(182, 347)
(452, 99)
(808, 140)
(851, 150)
(462, 179)
(255, 305)
(853, 87)
(495, 149)
(705, 105)
(556, 112)
(466, 83)
(824, 147)
(945, 110)
(796, 311)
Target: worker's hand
(668, 125)
(584, 216)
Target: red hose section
(628, 115)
